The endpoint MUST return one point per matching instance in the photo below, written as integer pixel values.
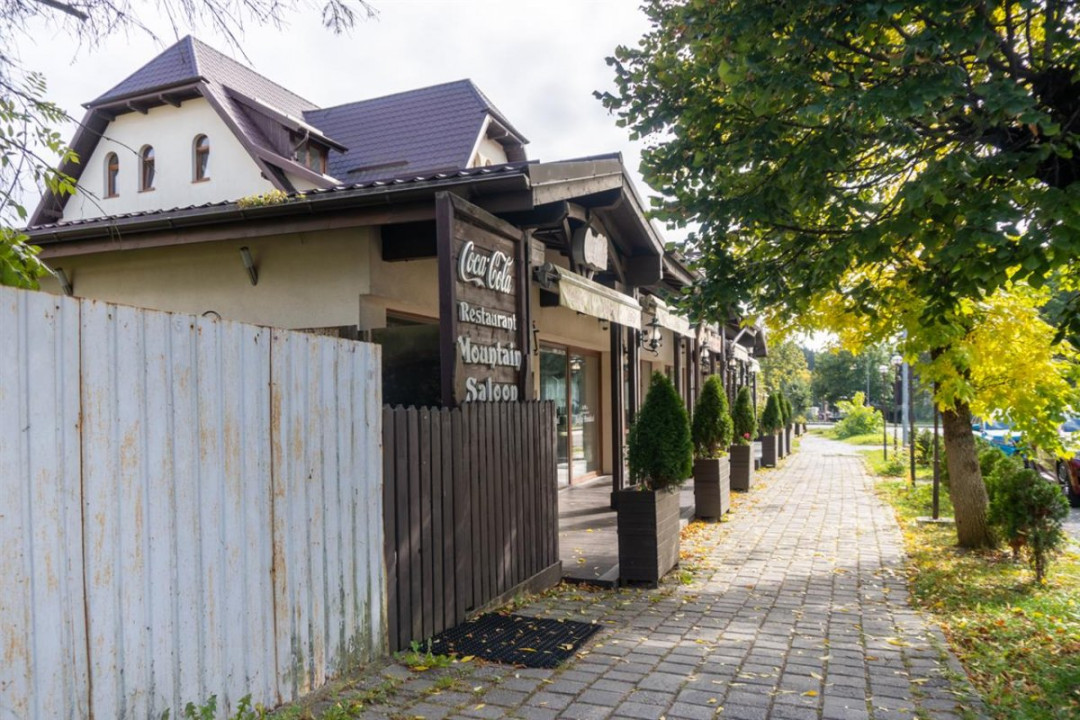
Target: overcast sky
(538, 60)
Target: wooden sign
(482, 276)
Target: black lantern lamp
(651, 339)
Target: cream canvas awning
(591, 298)
(666, 317)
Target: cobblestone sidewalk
(799, 610)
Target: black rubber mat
(515, 639)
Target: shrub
(772, 419)
(924, 448)
(859, 419)
(712, 427)
(785, 409)
(896, 465)
(744, 419)
(1027, 511)
(660, 453)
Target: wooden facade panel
(470, 509)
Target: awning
(666, 317)
(589, 298)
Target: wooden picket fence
(470, 510)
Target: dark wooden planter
(742, 467)
(789, 433)
(648, 524)
(781, 445)
(769, 455)
(712, 487)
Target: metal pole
(884, 433)
(937, 465)
(911, 420)
(904, 392)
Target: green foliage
(897, 465)
(933, 140)
(1027, 511)
(743, 418)
(785, 409)
(660, 451)
(839, 374)
(772, 419)
(420, 658)
(712, 426)
(924, 448)
(859, 419)
(270, 197)
(785, 369)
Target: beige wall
(171, 131)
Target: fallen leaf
(810, 693)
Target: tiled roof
(402, 183)
(419, 131)
(192, 59)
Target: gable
(232, 174)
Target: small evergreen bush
(772, 419)
(712, 426)
(859, 418)
(1027, 511)
(744, 419)
(660, 453)
(785, 409)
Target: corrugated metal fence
(188, 507)
(470, 497)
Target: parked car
(997, 433)
(1068, 476)
(1065, 472)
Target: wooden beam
(169, 99)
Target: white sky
(538, 60)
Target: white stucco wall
(488, 152)
(171, 131)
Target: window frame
(200, 173)
(147, 160)
(112, 172)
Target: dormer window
(112, 169)
(312, 156)
(202, 158)
(146, 169)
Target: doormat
(515, 639)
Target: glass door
(553, 386)
(585, 407)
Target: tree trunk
(966, 487)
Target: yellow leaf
(810, 693)
(467, 658)
(478, 707)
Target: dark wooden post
(618, 409)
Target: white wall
(171, 131)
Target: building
(414, 220)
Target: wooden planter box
(781, 445)
(712, 487)
(742, 467)
(648, 524)
(769, 455)
(789, 433)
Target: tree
(744, 418)
(772, 419)
(785, 369)
(30, 147)
(916, 155)
(838, 374)
(660, 452)
(711, 429)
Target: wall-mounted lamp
(651, 339)
(604, 325)
(704, 354)
(65, 284)
(535, 338)
(249, 265)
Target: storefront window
(411, 367)
(572, 381)
(553, 387)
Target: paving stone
(585, 711)
(643, 711)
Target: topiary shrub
(712, 426)
(859, 418)
(743, 418)
(772, 419)
(660, 452)
(785, 409)
(1027, 512)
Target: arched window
(112, 169)
(202, 158)
(146, 168)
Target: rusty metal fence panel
(42, 626)
(329, 579)
(148, 551)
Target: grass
(1019, 642)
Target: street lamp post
(897, 362)
(883, 369)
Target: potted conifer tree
(771, 422)
(711, 432)
(744, 422)
(661, 457)
(789, 428)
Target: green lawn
(1020, 642)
